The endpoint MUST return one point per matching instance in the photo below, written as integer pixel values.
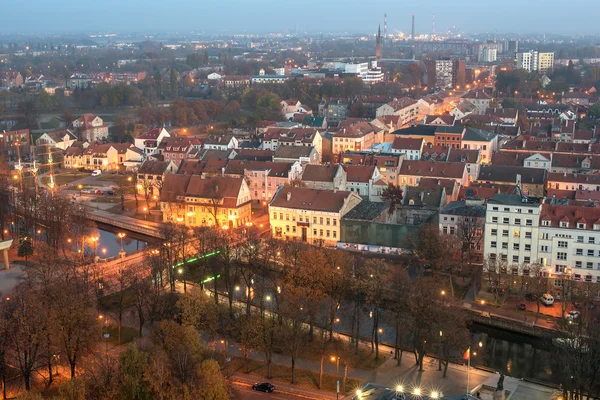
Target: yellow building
(221, 201)
(310, 215)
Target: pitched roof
(464, 156)
(478, 135)
(359, 173)
(445, 118)
(574, 178)
(572, 215)
(153, 167)
(300, 198)
(423, 196)
(417, 130)
(293, 152)
(238, 167)
(508, 174)
(433, 169)
(320, 173)
(407, 143)
(476, 94)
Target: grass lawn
(304, 378)
(64, 179)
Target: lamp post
(440, 359)
(121, 235)
(469, 369)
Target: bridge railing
(125, 225)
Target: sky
(239, 16)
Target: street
(246, 393)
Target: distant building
(90, 127)
(535, 61)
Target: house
(479, 98)
(151, 176)
(365, 180)
(14, 142)
(531, 180)
(90, 127)
(579, 98)
(276, 137)
(462, 109)
(325, 177)
(573, 181)
(425, 132)
(11, 79)
(335, 110)
(214, 76)
(105, 156)
(303, 154)
(472, 158)
(509, 116)
(59, 139)
(538, 161)
(484, 141)
(263, 178)
(407, 109)
(310, 215)
(449, 136)
(149, 141)
(411, 172)
(465, 219)
(387, 163)
(214, 201)
(412, 147)
(356, 137)
(444, 119)
(420, 205)
(451, 187)
(293, 106)
(177, 149)
(387, 123)
(221, 142)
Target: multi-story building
(480, 99)
(407, 109)
(149, 141)
(511, 233)
(446, 73)
(151, 176)
(62, 139)
(263, 178)
(215, 201)
(310, 215)
(465, 220)
(177, 149)
(484, 141)
(90, 127)
(107, 156)
(535, 61)
(411, 172)
(13, 142)
(276, 137)
(412, 147)
(335, 110)
(356, 137)
(387, 163)
(487, 54)
(449, 136)
(326, 177)
(365, 180)
(569, 242)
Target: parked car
(572, 315)
(531, 297)
(263, 387)
(109, 192)
(96, 172)
(97, 191)
(547, 299)
(88, 191)
(522, 306)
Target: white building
(535, 61)
(511, 232)
(538, 161)
(487, 54)
(569, 242)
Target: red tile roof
(572, 215)
(299, 198)
(433, 169)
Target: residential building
(412, 147)
(365, 180)
(106, 156)
(303, 154)
(387, 163)
(465, 220)
(509, 116)
(535, 61)
(90, 127)
(151, 176)
(411, 172)
(480, 99)
(356, 137)
(407, 109)
(310, 215)
(276, 137)
(511, 234)
(449, 136)
(149, 141)
(221, 142)
(484, 141)
(59, 139)
(325, 177)
(472, 158)
(258, 79)
(13, 142)
(263, 178)
(420, 205)
(573, 181)
(215, 201)
(530, 180)
(177, 149)
(569, 238)
(335, 110)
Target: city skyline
(469, 16)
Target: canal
(109, 243)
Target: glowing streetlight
(399, 388)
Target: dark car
(109, 192)
(522, 307)
(531, 297)
(263, 387)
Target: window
(328, 221)
(561, 256)
(494, 232)
(546, 222)
(578, 264)
(529, 222)
(589, 265)
(321, 232)
(530, 211)
(517, 221)
(494, 245)
(527, 247)
(516, 234)
(505, 233)
(445, 230)
(504, 245)
(314, 220)
(564, 224)
(578, 252)
(505, 220)
(544, 236)
(515, 259)
(580, 226)
(334, 222)
(591, 240)
(560, 268)
(452, 229)
(334, 234)
(562, 244)
(526, 260)
(579, 239)
(327, 233)
(506, 209)
(519, 210)
(314, 232)
(495, 208)
(287, 228)
(544, 249)
(321, 221)
(590, 253)
(287, 217)
(495, 220)
(294, 228)
(503, 257)
(527, 235)
(516, 246)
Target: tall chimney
(412, 32)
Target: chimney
(524, 143)
(518, 179)
(289, 196)
(421, 195)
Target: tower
(412, 32)
(433, 25)
(385, 25)
(378, 46)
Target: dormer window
(597, 227)
(564, 224)
(580, 226)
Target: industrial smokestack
(412, 32)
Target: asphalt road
(246, 393)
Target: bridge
(147, 228)
(503, 322)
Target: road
(246, 393)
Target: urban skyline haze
(312, 16)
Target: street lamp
(121, 235)
(469, 368)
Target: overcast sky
(231, 16)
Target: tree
(132, 364)
(213, 385)
(594, 111)
(173, 81)
(398, 306)
(376, 279)
(469, 231)
(5, 341)
(73, 389)
(392, 194)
